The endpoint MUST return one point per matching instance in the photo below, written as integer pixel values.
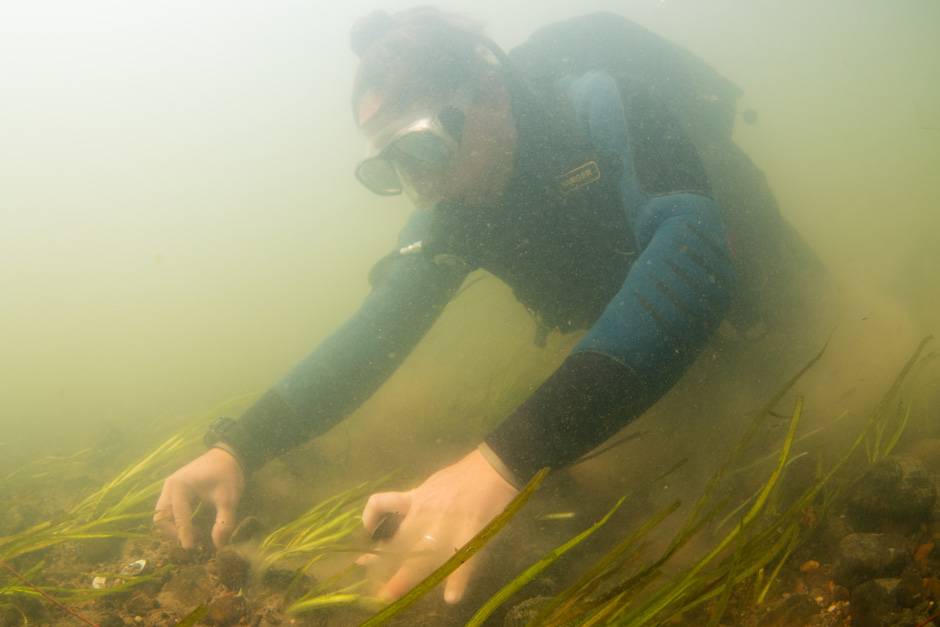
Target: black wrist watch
(216, 430)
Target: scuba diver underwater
(592, 170)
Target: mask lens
(422, 149)
(379, 175)
(414, 163)
(422, 158)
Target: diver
(592, 170)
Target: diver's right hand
(215, 478)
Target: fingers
(174, 515)
(457, 582)
(214, 478)
(382, 504)
(444, 512)
(225, 516)
(182, 511)
(398, 585)
(163, 517)
(376, 512)
(414, 569)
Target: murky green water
(179, 223)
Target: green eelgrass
(616, 603)
(122, 508)
(194, 617)
(310, 537)
(719, 610)
(621, 595)
(141, 481)
(319, 529)
(318, 599)
(530, 573)
(594, 575)
(575, 596)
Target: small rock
(895, 491)
(796, 611)
(873, 606)
(910, 590)
(932, 589)
(864, 556)
(191, 586)
(226, 610)
(232, 569)
(923, 552)
(839, 593)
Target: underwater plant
(120, 509)
(620, 589)
(610, 594)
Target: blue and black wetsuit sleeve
(351, 364)
(674, 297)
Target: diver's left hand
(440, 516)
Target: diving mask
(414, 157)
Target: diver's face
(481, 161)
(483, 165)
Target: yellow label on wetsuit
(578, 178)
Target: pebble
(872, 605)
(190, 586)
(895, 492)
(226, 610)
(232, 569)
(864, 556)
(910, 590)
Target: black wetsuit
(609, 224)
